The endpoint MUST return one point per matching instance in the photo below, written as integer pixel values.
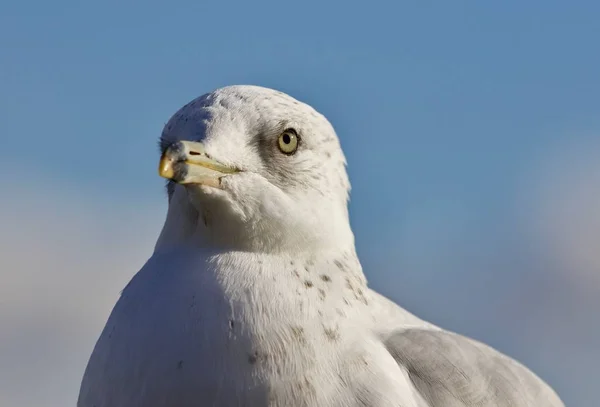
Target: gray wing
(449, 370)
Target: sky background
(472, 131)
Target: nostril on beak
(194, 153)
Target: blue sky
(470, 129)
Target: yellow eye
(288, 142)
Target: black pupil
(286, 139)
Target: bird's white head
(253, 169)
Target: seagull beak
(186, 162)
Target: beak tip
(165, 168)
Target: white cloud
(64, 257)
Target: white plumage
(254, 295)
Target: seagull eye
(288, 141)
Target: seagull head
(253, 169)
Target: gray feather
(449, 370)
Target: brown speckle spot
(308, 283)
(339, 265)
(306, 387)
(322, 294)
(325, 278)
(331, 333)
(358, 294)
(252, 358)
(298, 333)
(295, 272)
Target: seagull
(254, 294)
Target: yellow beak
(186, 162)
